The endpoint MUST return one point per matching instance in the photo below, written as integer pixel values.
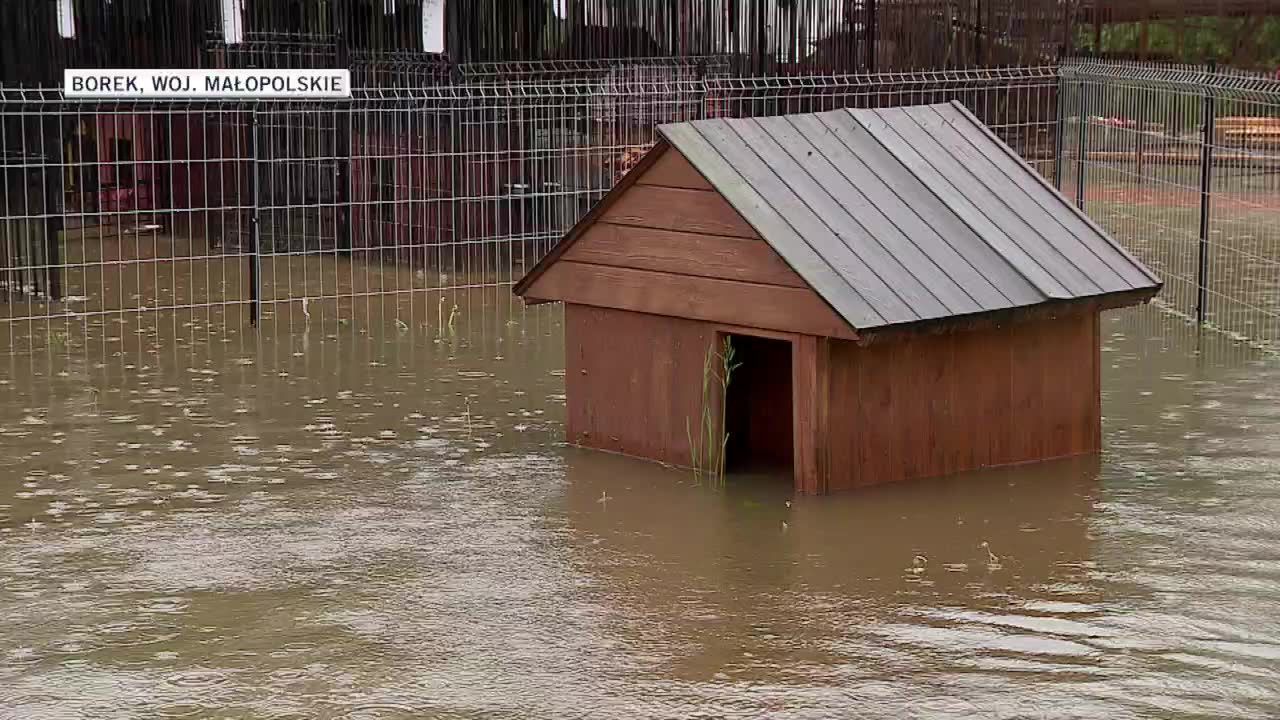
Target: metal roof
(907, 214)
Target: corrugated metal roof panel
(829, 226)
(1007, 200)
(906, 214)
(923, 213)
(933, 259)
(1080, 226)
(859, 224)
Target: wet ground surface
(376, 519)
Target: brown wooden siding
(664, 248)
(770, 307)
(667, 208)
(934, 405)
(673, 170)
(811, 406)
(632, 380)
(683, 253)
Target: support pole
(1060, 130)
(255, 226)
(343, 146)
(52, 188)
(1140, 142)
(873, 42)
(1206, 197)
(810, 408)
(1083, 146)
(53, 257)
(979, 47)
(1097, 30)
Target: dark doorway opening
(758, 407)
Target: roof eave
(997, 318)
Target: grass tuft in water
(707, 454)
(443, 326)
(59, 339)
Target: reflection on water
(377, 519)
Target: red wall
(917, 406)
(210, 153)
(932, 405)
(632, 380)
(116, 191)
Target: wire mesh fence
(1182, 165)
(254, 208)
(132, 207)
(762, 37)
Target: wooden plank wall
(811, 410)
(671, 245)
(631, 380)
(932, 405)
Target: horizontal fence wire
(138, 207)
(1182, 165)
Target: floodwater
(365, 518)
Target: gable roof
(901, 215)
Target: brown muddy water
(371, 519)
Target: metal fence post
(255, 238)
(1210, 112)
(1140, 149)
(343, 149)
(51, 187)
(873, 29)
(1082, 145)
(1060, 132)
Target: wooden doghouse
(908, 299)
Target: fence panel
(129, 207)
(1182, 165)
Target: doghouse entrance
(758, 406)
